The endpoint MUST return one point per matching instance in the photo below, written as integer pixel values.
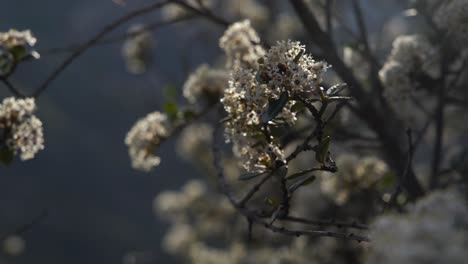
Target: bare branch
(109, 28)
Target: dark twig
(323, 223)
(12, 88)
(118, 38)
(401, 180)
(257, 218)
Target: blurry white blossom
(434, 231)
(252, 10)
(205, 85)
(352, 57)
(137, 49)
(452, 16)
(285, 26)
(195, 144)
(198, 232)
(241, 44)
(13, 245)
(144, 138)
(22, 131)
(354, 174)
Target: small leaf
(6, 155)
(188, 114)
(304, 182)
(339, 98)
(272, 201)
(274, 108)
(171, 110)
(336, 89)
(170, 92)
(322, 150)
(19, 52)
(297, 107)
(249, 176)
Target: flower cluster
(434, 231)
(285, 70)
(199, 218)
(144, 138)
(411, 55)
(451, 16)
(195, 144)
(15, 46)
(136, 49)
(22, 130)
(241, 44)
(205, 85)
(355, 174)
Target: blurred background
(79, 199)
(96, 206)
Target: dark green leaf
(170, 92)
(336, 89)
(189, 114)
(274, 108)
(6, 155)
(249, 176)
(339, 98)
(304, 182)
(171, 109)
(322, 149)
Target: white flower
(195, 144)
(434, 231)
(14, 38)
(22, 130)
(241, 44)
(27, 138)
(354, 174)
(452, 16)
(137, 49)
(144, 138)
(13, 245)
(411, 55)
(285, 68)
(205, 84)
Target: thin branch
(254, 217)
(322, 223)
(109, 28)
(204, 12)
(401, 180)
(152, 26)
(12, 88)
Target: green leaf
(19, 52)
(272, 202)
(274, 108)
(171, 109)
(297, 107)
(6, 155)
(336, 89)
(339, 98)
(249, 176)
(170, 92)
(188, 114)
(304, 182)
(322, 149)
